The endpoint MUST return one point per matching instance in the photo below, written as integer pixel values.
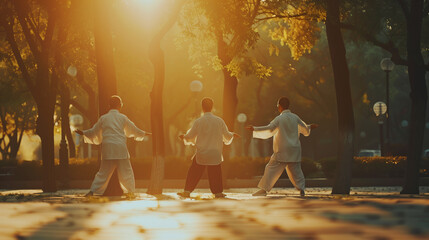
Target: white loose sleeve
(93, 135)
(227, 135)
(303, 128)
(267, 131)
(132, 131)
(190, 138)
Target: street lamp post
(196, 87)
(380, 108)
(242, 118)
(387, 66)
(76, 120)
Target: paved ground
(368, 213)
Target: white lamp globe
(387, 65)
(72, 71)
(196, 86)
(379, 108)
(241, 118)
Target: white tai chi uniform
(285, 128)
(111, 131)
(208, 134)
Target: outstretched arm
(265, 132)
(132, 131)
(93, 135)
(304, 128)
(227, 135)
(190, 137)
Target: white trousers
(125, 174)
(274, 169)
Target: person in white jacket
(208, 134)
(111, 131)
(285, 130)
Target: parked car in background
(426, 153)
(369, 153)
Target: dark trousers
(196, 171)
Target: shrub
(374, 167)
(175, 168)
(309, 167)
(328, 166)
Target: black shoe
(185, 194)
(220, 195)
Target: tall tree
(40, 36)
(105, 71)
(156, 56)
(414, 11)
(346, 126)
(299, 30)
(17, 112)
(397, 28)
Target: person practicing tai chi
(111, 131)
(285, 128)
(208, 134)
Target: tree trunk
(65, 120)
(15, 141)
(105, 72)
(157, 173)
(45, 129)
(345, 139)
(230, 99)
(44, 88)
(416, 73)
(156, 56)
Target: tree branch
(22, 16)
(405, 9)
(426, 9)
(80, 108)
(18, 57)
(389, 46)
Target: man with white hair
(285, 130)
(111, 131)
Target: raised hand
(78, 131)
(250, 127)
(148, 133)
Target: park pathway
(319, 215)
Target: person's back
(114, 140)
(111, 131)
(285, 130)
(289, 128)
(209, 140)
(208, 134)
(112, 125)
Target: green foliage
(294, 24)
(219, 34)
(375, 167)
(17, 110)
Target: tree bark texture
(416, 73)
(44, 88)
(230, 99)
(346, 124)
(156, 56)
(105, 71)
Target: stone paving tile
(30, 214)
